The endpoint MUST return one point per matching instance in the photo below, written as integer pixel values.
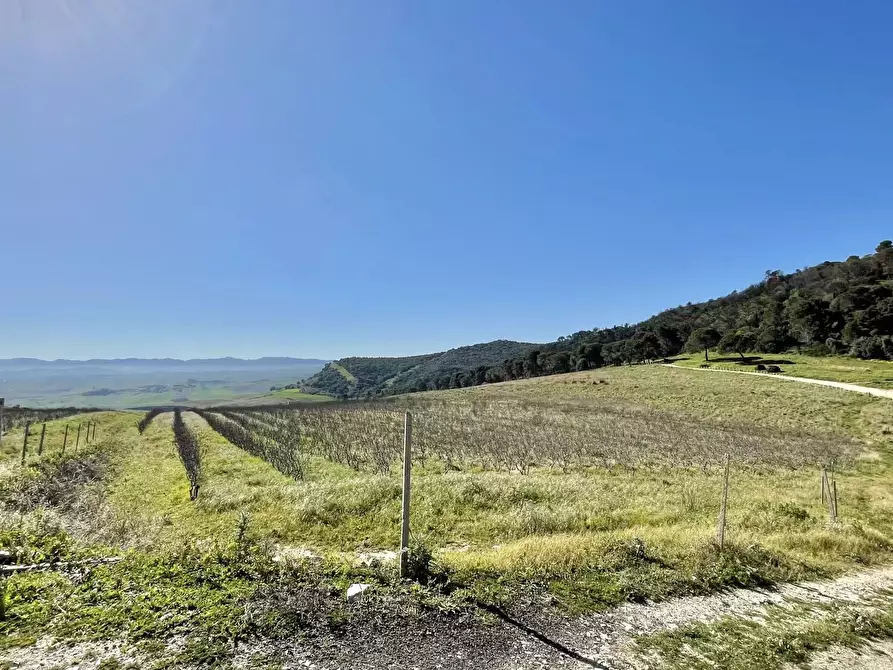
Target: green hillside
(831, 309)
(410, 373)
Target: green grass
(299, 396)
(145, 600)
(735, 400)
(878, 374)
(344, 372)
(557, 527)
(779, 637)
(592, 535)
(106, 428)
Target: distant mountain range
(138, 382)
(211, 363)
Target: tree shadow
(751, 360)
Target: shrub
(190, 454)
(147, 419)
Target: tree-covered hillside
(385, 376)
(841, 307)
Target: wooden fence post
(834, 501)
(2, 404)
(78, 440)
(25, 442)
(721, 527)
(407, 472)
(822, 476)
(94, 431)
(43, 433)
(65, 438)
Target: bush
(420, 564)
(190, 453)
(874, 346)
(817, 350)
(147, 419)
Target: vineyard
(502, 435)
(488, 468)
(16, 417)
(582, 492)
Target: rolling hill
(385, 376)
(836, 307)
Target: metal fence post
(407, 477)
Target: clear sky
(195, 178)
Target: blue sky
(325, 179)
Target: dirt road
(882, 393)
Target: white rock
(355, 591)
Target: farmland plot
(563, 492)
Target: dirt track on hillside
(881, 393)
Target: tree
(557, 363)
(738, 341)
(885, 258)
(533, 368)
(591, 353)
(702, 338)
(480, 375)
(772, 335)
(807, 317)
(648, 345)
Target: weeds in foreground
(781, 636)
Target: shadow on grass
(751, 360)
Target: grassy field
(12, 441)
(588, 489)
(878, 374)
(344, 372)
(298, 396)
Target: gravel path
(440, 642)
(876, 655)
(882, 393)
(607, 638)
